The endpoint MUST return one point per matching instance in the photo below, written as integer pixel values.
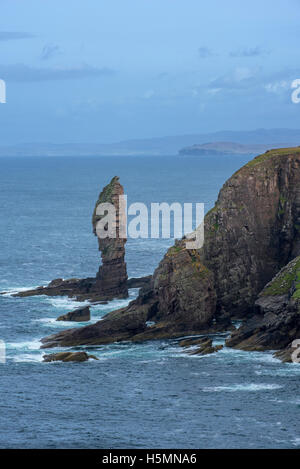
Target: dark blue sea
(150, 395)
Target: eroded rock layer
(111, 280)
(254, 228)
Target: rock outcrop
(79, 315)
(111, 280)
(68, 357)
(250, 234)
(180, 299)
(254, 229)
(276, 322)
(204, 346)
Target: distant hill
(230, 148)
(158, 146)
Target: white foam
(34, 344)
(8, 292)
(66, 303)
(28, 358)
(252, 387)
(296, 441)
(262, 357)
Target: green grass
(283, 282)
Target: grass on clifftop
(271, 153)
(284, 281)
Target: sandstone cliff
(254, 228)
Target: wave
(251, 387)
(8, 292)
(65, 303)
(34, 344)
(28, 358)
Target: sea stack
(250, 235)
(111, 280)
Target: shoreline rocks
(250, 234)
(66, 357)
(204, 346)
(275, 323)
(78, 289)
(79, 315)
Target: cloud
(204, 52)
(49, 51)
(277, 87)
(25, 73)
(249, 52)
(241, 77)
(10, 35)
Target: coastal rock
(111, 280)
(250, 234)
(204, 346)
(68, 357)
(276, 322)
(180, 298)
(80, 315)
(254, 229)
(78, 289)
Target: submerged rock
(68, 357)
(204, 346)
(80, 315)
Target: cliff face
(276, 322)
(111, 280)
(252, 232)
(254, 228)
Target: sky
(100, 71)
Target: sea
(145, 395)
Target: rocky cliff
(251, 233)
(254, 228)
(276, 322)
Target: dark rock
(139, 282)
(276, 322)
(252, 232)
(204, 346)
(80, 315)
(111, 280)
(68, 357)
(180, 298)
(75, 288)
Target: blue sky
(108, 70)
